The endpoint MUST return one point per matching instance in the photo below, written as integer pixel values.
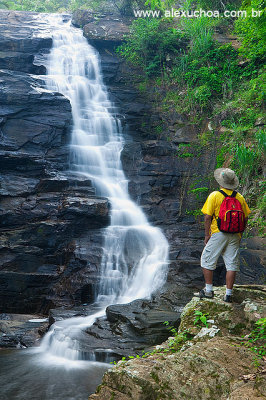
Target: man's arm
(245, 225)
(207, 226)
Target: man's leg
(231, 260)
(211, 252)
(230, 279)
(209, 257)
(208, 275)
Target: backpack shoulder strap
(221, 191)
(228, 195)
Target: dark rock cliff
(51, 220)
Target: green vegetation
(149, 44)
(124, 7)
(173, 345)
(198, 191)
(201, 317)
(252, 31)
(194, 74)
(186, 56)
(257, 338)
(39, 5)
(178, 340)
(196, 213)
(57, 5)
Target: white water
(135, 254)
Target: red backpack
(231, 217)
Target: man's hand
(207, 238)
(207, 225)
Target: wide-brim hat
(226, 178)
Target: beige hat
(226, 178)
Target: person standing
(226, 215)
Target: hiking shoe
(204, 294)
(228, 298)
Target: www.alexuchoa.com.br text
(173, 13)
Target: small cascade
(135, 254)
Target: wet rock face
(24, 41)
(50, 219)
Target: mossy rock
(206, 371)
(204, 368)
(231, 319)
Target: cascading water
(135, 254)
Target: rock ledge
(205, 367)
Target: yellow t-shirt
(213, 204)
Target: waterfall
(135, 254)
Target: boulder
(199, 362)
(82, 17)
(107, 31)
(102, 29)
(235, 318)
(20, 331)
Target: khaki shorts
(225, 245)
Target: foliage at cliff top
(43, 5)
(124, 7)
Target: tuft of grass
(257, 338)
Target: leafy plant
(252, 31)
(159, 4)
(261, 141)
(257, 338)
(179, 338)
(201, 318)
(245, 159)
(149, 43)
(196, 213)
(199, 193)
(220, 5)
(185, 155)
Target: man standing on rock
(226, 215)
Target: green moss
(210, 307)
(98, 389)
(155, 377)
(186, 155)
(112, 396)
(238, 329)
